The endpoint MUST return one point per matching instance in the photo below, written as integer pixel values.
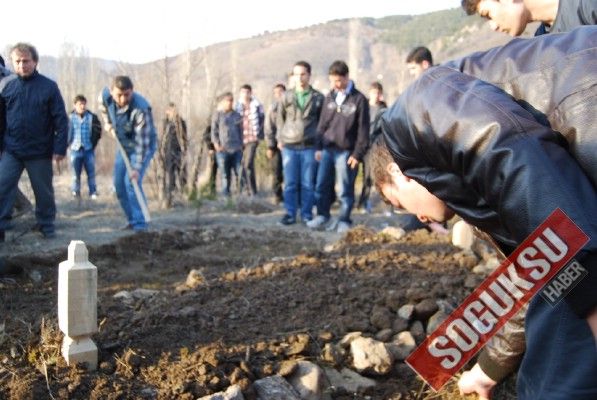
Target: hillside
(375, 49)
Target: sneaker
(332, 226)
(318, 222)
(343, 227)
(127, 227)
(93, 196)
(287, 220)
(76, 194)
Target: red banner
(533, 264)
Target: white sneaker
(93, 196)
(332, 226)
(343, 227)
(317, 222)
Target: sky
(142, 31)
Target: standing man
(84, 132)
(273, 152)
(33, 131)
(253, 118)
(227, 138)
(22, 203)
(342, 142)
(297, 136)
(173, 148)
(418, 61)
(512, 16)
(377, 106)
(128, 116)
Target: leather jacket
(499, 166)
(527, 69)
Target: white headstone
(77, 305)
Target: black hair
(304, 64)
(122, 82)
(338, 67)
(419, 54)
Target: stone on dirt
(307, 380)
(425, 309)
(195, 278)
(406, 312)
(333, 354)
(393, 232)
(399, 325)
(418, 331)
(381, 317)
(275, 388)
(232, 393)
(402, 345)
(487, 267)
(462, 235)
(384, 335)
(371, 356)
(348, 380)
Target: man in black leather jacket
(459, 144)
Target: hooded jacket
(504, 170)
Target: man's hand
(352, 162)
(211, 152)
(318, 155)
(476, 381)
(218, 147)
(269, 153)
(134, 175)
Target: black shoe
(48, 235)
(287, 220)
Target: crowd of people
(500, 138)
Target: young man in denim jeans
(128, 115)
(343, 139)
(227, 138)
(297, 136)
(83, 134)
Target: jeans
(248, 168)
(228, 163)
(333, 163)
(299, 167)
(80, 159)
(40, 176)
(126, 194)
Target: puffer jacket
(503, 171)
(296, 127)
(35, 124)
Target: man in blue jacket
(33, 130)
(128, 116)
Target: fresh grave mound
(185, 314)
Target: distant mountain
(375, 49)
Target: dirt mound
(257, 298)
